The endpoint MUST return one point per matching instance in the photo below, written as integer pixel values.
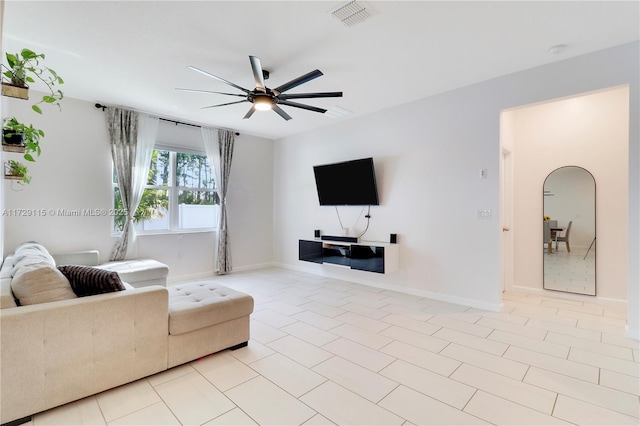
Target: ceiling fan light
(263, 103)
(263, 106)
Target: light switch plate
(484, 214)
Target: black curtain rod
(164, 119)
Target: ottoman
(206, 317)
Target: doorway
(590, 130)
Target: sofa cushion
(87, 281)
(139, 272)
(40, 282)
(203, 304)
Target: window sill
(168, 232)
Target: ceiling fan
(264, 98)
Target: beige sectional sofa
(56, 352)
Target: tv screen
(349, 183)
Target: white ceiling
(135, 54)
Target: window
(179, 195)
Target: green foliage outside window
(153, 204)
(192, 173)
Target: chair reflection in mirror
(564, 238)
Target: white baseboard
(413, 291)
(254, 267)
(617, 303)
(212, 274)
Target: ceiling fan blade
(310, 95)
(250, 112)
(228, 103)
(218, 78)
(210, 91)
(307, 107)
(258, 76)
(298, 81)
(281, 112)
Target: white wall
(74, 172)
(590, 131)
(428, 155)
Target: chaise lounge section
(55, 352)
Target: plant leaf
(28, 54)
(36, 108)
(29, 157)
(11, 59)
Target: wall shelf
(20, 149)
(14, 91)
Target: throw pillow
(27, 253)
(87, 281)
(40, 283)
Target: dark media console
(364, 256)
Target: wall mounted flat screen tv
(349, 183)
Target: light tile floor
(325, 351)
(574, 272)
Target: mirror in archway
(569, 231)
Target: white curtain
(218, 145)
(133, 137)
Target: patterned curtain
(132, 137)
(219, 147)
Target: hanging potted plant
(25, 67)
(18, 135)
(16, 171)
(13, 85)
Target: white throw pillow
(40, 283)
(30, 253)
(30, 248)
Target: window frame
(173, 192)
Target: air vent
(353, 13)
(337, 112)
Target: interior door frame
(506, 219)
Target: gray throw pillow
(87, 281)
